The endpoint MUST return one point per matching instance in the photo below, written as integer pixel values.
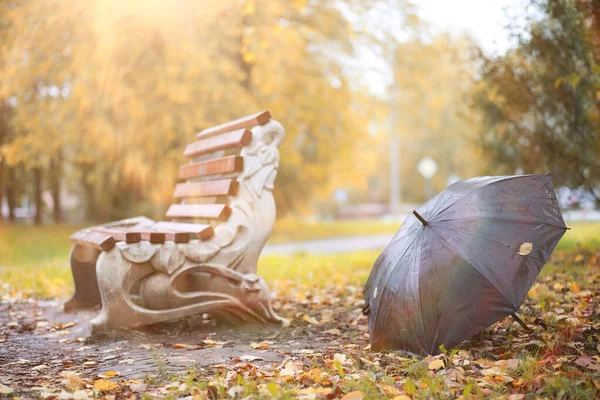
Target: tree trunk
(1, 185)
(3, 128)
(55, 175)
(89, 190)
(37, 195)
(10, 193)
(243, 65)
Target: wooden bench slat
(97, 240)
(223, 187)
(199, 231)
(219, 212)
(153, 236)
(230, 140)
(225, 165)
(177, 237)
(241, 123)
(119, 235)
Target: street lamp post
(427, 168)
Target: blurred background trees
(99, 99)
(541, 100)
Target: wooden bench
(203, 259)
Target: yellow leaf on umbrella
(525, 248)
(435, 365)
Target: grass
(292, 229)
(34, 260)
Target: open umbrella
(463, 261)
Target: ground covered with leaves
(324, 354)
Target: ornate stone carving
(144, 283)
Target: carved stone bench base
(136, 289)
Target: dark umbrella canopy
(468, 264)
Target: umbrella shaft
(520, 322)
(423, 221)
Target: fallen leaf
(575, 288)
(261, 346)
(389, 390)
(110, 373)
(137, 387)
(290, 369)
(588, 363)
(80, 395)
(179, 346)
(310, 320)
(341, 358)
(313, 392)
(5, 389)
(356, 395)
(494, 371)
(435, 365)
(104, 385)
(248, 358)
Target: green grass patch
(34, 260)
(293, 229)
(582, 235)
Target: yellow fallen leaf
(389, 390)
(290, 369)
(179, 346)
(356, 395)
(110, 373)
(341, 358)
(575, 288)
(310, 320)
(104, 385)
(435, 365)
(5, 389)
(260, 346)
(313, 392)
(401, 397)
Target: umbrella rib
(390, 274)
(479, 236)
(419, 291)
(408, 232)
(535, 222)
(437, 212)
(472, 266)
(491, 240)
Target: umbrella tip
(423, 221)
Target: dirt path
(39, 344)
